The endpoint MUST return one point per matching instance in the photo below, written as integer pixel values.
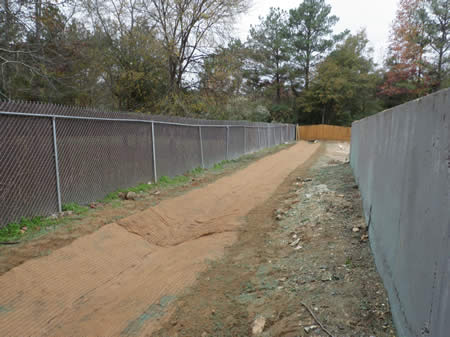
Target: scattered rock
(149, 183)
(131, 196)
(258, 325)
(204, 334)
(292, 244)
(364, 238)
(327, 276)
(310, 328)
(93, 205)
(279, 217)
(322, 188)
(122, 195)
(307, 180)
(355, 229)
(53, 216)
(156, 192)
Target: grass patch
(17, 230)
(220, 166)
(75, 208)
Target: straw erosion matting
(121, 279)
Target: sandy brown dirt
(303, 249)
(73, 227)
(120, 280)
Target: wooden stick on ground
(316, 319)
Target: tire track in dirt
(117, 280)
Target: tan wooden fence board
(323, 132)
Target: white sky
(374, 15)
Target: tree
(269, 49)
(186, 28)
(344, 88)
(310, 36)
(407, 77)
(438, 29)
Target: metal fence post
(259, 139)
(228, 139)
(201, 145)
(245, 140)
(55, 149)
(155, 176)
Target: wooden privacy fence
(323, 131)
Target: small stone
(355, 229)
(295, 242)
(307, 180)
(131, 196)
(258, 325)
(149, 183)
(93, 205)
(204, 334)
(279, 217)
(24, 228)
(310, 328)
(122, 195)
(156, 192)
(67, 213)
(213, 312)
(326, 277)
(53, 216)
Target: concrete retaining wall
(400, 158)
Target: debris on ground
(258, 325)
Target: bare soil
(124, 278)
(302, 253)
(73, 227)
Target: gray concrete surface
(400, 158)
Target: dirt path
(304, 252)
(120, 280)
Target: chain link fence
(52, 155)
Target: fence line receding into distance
(53, 155)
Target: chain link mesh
(96, 157)
(27, 168)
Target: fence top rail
(130, 120)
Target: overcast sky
(374, 15)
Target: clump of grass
(165, 181)
(75, 208)
(219, 166)
(17, 230)
(197, 171)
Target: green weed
(17, 230)
(76, 208)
